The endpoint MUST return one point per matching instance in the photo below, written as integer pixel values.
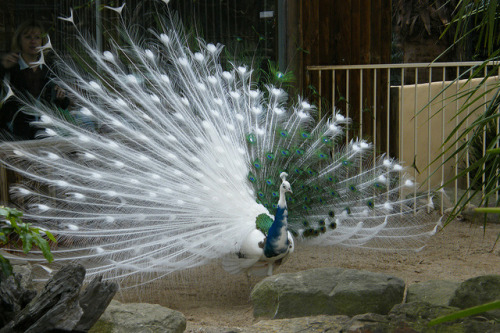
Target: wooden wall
(339, 32)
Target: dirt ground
(211, 297)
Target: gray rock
(14, 295)
(55, 307)
(415, 316)
(330, 291)
(476, 291)
(436, 292)
(94, 301)
(403, 318)
(139, 318)
(302, 324)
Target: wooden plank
(365, 31)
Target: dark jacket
(24, 82)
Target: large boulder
(139, 318)
(329, 291)
(476, 291)
(436, 292)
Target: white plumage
(185, 157)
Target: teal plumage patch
(263, 223)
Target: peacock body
(189, 162)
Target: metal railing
(412, 110)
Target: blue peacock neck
(277, 237)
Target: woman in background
(24, 77)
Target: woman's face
(31, 40)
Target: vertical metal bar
(320, 92)
(443, 111)
(334, 109)
(401, 116)
(374, 114)
(467, 152)
(347, 103)
(388, 109)
(484, 132)
(415, 140)
(401, 100)
(456, 134)
(497, 145)
(361, 83)
(333, 92)
(429, 135)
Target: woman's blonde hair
(24, 27)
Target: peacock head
(285, 185)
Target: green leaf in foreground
(466, 312)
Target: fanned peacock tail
(185, 159)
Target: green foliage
(12, 228)
(479, 141)
(466, 312)
(478, 21)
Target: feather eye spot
(251, 138)
(257, 165)
(254, 93)
(211, 48)
(108, 56)
(284, 134)
(165, 39)
(199, 57)
(183, 61)
(305, 135)
(285, 152)
(73, 227)
(212, 79)
(322, 155)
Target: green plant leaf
(50, 236)
(6, 267)
(44, 247)
(466, 313)
(27, 239)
